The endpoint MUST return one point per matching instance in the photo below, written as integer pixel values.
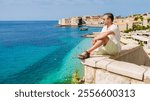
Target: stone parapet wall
(131, 66)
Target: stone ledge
(103, 63)
(126, 49)
(131, 66)
(129, 46)
(127, 69)
(92, 61)
(146, 67)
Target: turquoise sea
(39, 52)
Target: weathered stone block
(133, 81)
(89, 74)
(102, 64)
(127, 69)
(92, 61)
(147, 76)
(105, 77)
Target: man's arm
(103, 35)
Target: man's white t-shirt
(114, 37)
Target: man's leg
(98, 44)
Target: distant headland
(124, 23)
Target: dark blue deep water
(40, 52)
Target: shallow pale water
(40, 52)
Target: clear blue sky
(55, 9)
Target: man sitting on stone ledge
(107, 42)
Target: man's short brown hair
(110, 15)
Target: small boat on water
(83, 29)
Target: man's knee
(100, 41)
